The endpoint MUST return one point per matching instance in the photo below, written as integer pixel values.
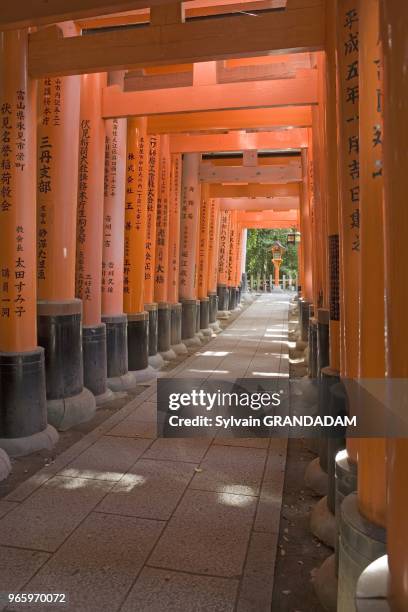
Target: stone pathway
(125, 521)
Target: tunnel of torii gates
(137, 148)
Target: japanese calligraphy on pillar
(150, 245)
(174, 226)
(162, 223)
(349, 117)
(83, 279)
(223, 256)
(232, 249)
(189, 227)
(213, 235)
(238, 256)
(203, 243)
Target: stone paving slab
(108, 459)
(98, 564)
(151, 489)
(16, 568)
(166, 591)
(50, 515)
(229, 469)
(178, 449)
(208, 534)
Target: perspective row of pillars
(123, 270)
(354, 296)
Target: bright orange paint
(18, 328)
(174, 229)
(135, 216)
(203, 243)
(225, 226)
(213, 243)
(306, 229)
(57, 171)
(162, 227)
(90, 198)
(153, 145)
(190, 211)
(393, 28)
(114, 216)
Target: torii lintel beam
(261, 118)
(288, 173)
(199, 40)
(299, 91)
(240, 141)
(277, 204)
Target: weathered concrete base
(144, 376)
(169, 355)
(19, 447)
(323, 523)
(316, 479)
(138, 341)
(179, 349)
(192, 342)
(372, 587)
(188, 319)
(5, 465)
(213, 307)
(121, 383)
(104, 398)
(223, 297)
(156, 361)
(152, 310)
(66, 412)
(360, 543)
(116, 346)
(223, 314)
(325, 584)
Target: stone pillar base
(189, 323)
(323, 523)
(325, 584)
(215, 327)
(345, 483)
(223, 298)
(156, 361)
(212, 308)
(5, 465)
(232, 298)
(144, 376)
(205, 317)
(372, 587)
(69, 411)
(164, 332)
(94, 352)
(360, 543)
(152, 310)
(138, 341)
(23, 426)
(175, 328)
(315, 478)
(304, 319)
(116, 345)
(312, 369)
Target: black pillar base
(223, 298)
(95, 373)
(323, 338)
(304, 319)
(23, 403)
(213, 307)
(138, 341)
(189, 323)
(119, 378)
(197, 326)
(231, 298)
(60, 333)
(205, 316)
(312, 364)
(164, 331)
(175, 328)
(152, 310)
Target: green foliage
(259, 256)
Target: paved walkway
(124, 521)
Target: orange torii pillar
(90, 232)
(161, 271)
(189, 228)
(213, 243)
(306, 252)
(223, 255)
(135, 249)
(113, 249)
(232, 256)
(23, 408)
(238, 262)
(174, 254)
(244, 281)
(202, 268)
(59, 312)
(394, 36)
(153, 152)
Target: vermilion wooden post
(23, 409)
(213, 243)
(59, 312)
(222, 280)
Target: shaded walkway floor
(125, 521)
